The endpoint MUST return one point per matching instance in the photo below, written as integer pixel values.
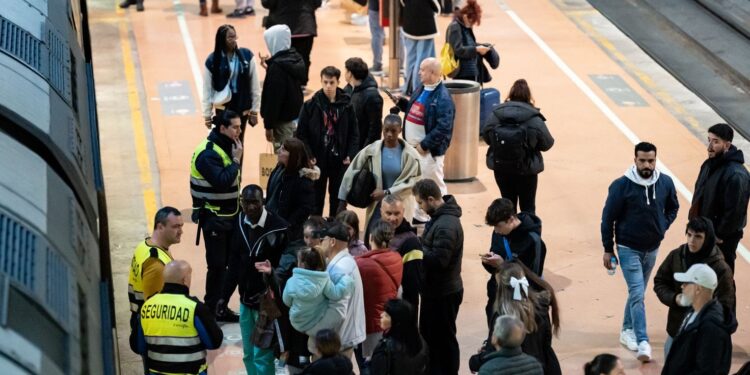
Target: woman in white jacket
(230, 80)
(395, 165)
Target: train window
(28, 319)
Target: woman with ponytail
(395, 165)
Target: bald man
(175, 329)
(429, 125)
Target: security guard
(214, 186)
(175, 329)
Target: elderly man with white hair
(507, 338)
(703, 344)
(428, 125)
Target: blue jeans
(376, 42)
(636, 268)
(257, 361)
(416, 51)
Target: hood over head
(706, 250)
(278, 38)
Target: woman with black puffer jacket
(517, 135)
(401, 351)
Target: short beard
(641, 171)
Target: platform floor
(599, 94)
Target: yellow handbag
(448, 62)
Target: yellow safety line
(136, 114)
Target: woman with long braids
(230, 80)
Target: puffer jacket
(511, 362)
(667, 288)
(299, 15)
(383, 271)
(368, 105)
(307, 294)
(291, 196)
(391, 358)
(538, 136)
(443, 248)
(705, 346)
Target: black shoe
(238, 13)
(139, 5)
(126, 3)
(249, 11)
(225, 314)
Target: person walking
(699, 248)
(282, 96)
(260, 236)
(214, 188)
(443, 247)
(419, 28)
(466, 49)
(291, 186)
(393, 162)
(366, 100)
(428, 125)
(383, 270)
(402, 350)
(722, 191)
(640, 207)
(508, 335)
(230, 80)
(328, 127)
(703, 344)
(517, 135)
(377, 37)
(299, 16)
(175, 329)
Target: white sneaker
(644, 351)
(627, 338)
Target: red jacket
(381, 272)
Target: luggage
(489, 98)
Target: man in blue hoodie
(640, 207)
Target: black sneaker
(249, 11)
(238, 13)
(126, 3)
(226, 315)
(376, 70)
(139, 5)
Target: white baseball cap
(700, 274)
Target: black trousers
(303, 45)
(331, 176)
(220, 282)
(520, 189)
(729, 249)
(437, 324)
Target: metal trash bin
(461, 157)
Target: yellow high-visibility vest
(220, 201)
(135, 280)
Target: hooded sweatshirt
(307, 294)
(638, 211)
(282, 93)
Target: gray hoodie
(278, 38)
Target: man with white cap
(704, 343)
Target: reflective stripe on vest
(220, 201)
(168, 322)
(413, 255)
(135, 279)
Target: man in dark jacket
(428, 125)
(722, 190)
(443, 247)
(261, 236)
(419, 28)
(282, 97)
(366, 100)
(703, 344)
(406, 242)
(509, 359)
(214, 187)
(328, 127)
(700, 248)
(640, 207)
(515, 236)
(299, 15)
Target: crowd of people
(318, 292)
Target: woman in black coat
(290, 191)
(402, 349)
(469, 53)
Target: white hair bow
(517, 284)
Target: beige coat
(410, 174)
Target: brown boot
(204, 10)
(215, 6)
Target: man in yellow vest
(214, 187)
(175, 329)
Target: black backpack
(510, 145)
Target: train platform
(599, 92)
